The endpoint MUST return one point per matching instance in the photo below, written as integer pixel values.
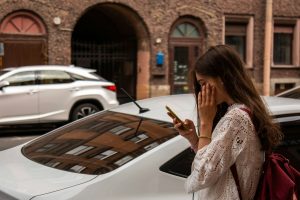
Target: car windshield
(100, 143)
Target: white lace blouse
(234, 140)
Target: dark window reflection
(238, 43)
(100, 143)
(54, 77)
(283, 48)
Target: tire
(83, 110)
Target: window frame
(248, 21)
(184, 34)
(288, 26)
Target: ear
(220, 81)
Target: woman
(239, 137)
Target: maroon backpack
(278, 181)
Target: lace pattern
(234, 140)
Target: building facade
(147, 47)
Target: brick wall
(157, 18)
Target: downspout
(268, 46)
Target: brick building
(147, 46)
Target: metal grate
(109, 58)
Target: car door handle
(31, 92)
(75, 89)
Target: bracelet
(205, 137)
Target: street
(13, 137)
(11, 141)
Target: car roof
(51, 67)
(86, 72)
(282, 106)
(184, 106)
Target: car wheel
(83, 110)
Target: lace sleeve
(228, 140)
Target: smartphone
(172, 114)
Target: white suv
(43, 94)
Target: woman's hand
(189, 133)
(207, 109)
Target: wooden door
(22, 53)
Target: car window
(180, 165)
(98, 77)
(54, 77)
(293, 94)
(78, 77)
(82, 78)
(100, 143)
(21, 79)
(290, 146)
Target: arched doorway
(186, 44)
(110, 38)
(24, 40)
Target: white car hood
(23, 178)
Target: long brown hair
(224, 62)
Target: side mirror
(3, 84)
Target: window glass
(235, 36)
(100, 143)
(78, 77)
(98, 77)
(180, 165)
(77, 168)
(281, 87)
(22, 78)
(290, 146)
(185, 30)
(295, 93)
(238, 43)
(52, 164)
(180, 70)
(54, 77)
(79, 150)
(283, 46)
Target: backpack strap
(247, 111)
(233, 167)
(236, 179)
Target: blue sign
(160, 58)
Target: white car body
(140, 178)
(43, 103)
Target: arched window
(23, 23)
(185, 30)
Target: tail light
(111, 88)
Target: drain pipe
(268, 46)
